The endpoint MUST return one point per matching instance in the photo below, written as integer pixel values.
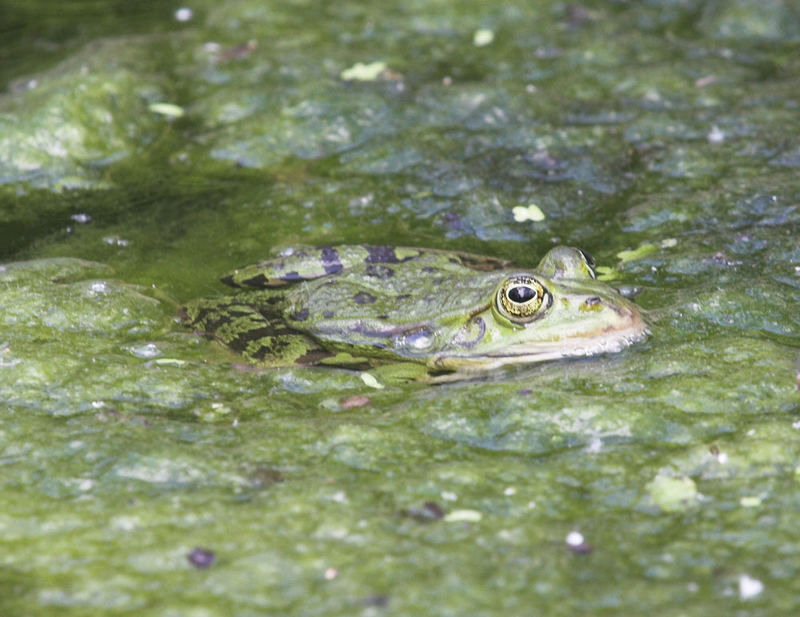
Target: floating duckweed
(370, 380)
(364, 72)
(672, 494)
(750, 502)
(468, 516)
(169, 110)
(637, 253)
(531, 212)
(606, 273)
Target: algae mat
(145, 151)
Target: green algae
(127, 441)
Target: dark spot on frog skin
(593, 301)
(386, 255)
(379, 271)
(299, 315)
(291, 276)
(259, 280)
(330, 260)
(381, 254)
(268, 347)
(313, 358)
(239, 343)
(328, 314)
(363, 298)
(402, 297)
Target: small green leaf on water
(363, 72)
(469, 516)
(370, 380)
(530, 213)
(482, 37)
(672, 494)
(750, 502)
(637, 253)
(606, 273)
(166, 109)
(668, 243)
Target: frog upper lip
(608, 340)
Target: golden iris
(521, 297)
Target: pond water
(146, 151)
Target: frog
(417, 313)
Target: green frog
(415, 312)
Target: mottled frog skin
(442, 312)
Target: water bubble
(150, 350)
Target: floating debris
(184, 14)
(357, 400)
(716, 136)
(430, 511)
(577, 543)
(201, 558)
(482, 37)
(331, 574)
(749, 587)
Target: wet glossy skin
(442, 311)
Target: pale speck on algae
(749, 587)
(577, 543)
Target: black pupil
(521, 294)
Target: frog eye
(566, 262)
(522, 299)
